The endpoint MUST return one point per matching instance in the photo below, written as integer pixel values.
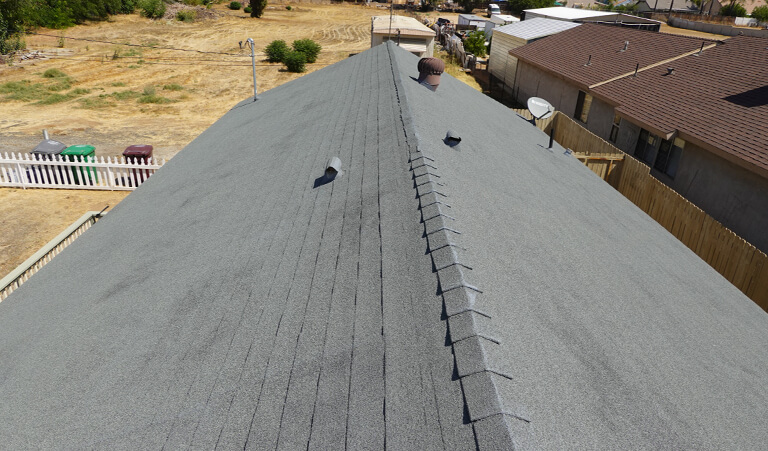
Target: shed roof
(566, 54)
(535, 28)
(561, 12)
(664, 5)
(430, 297)
(407, 26)
(718, 98)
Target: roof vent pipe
(701, 49)
(626, 46)
(333, 168)
(45, 134)
(670, 70)
(589, 61)
(430, 70)
(636, 69)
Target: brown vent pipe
(430, 70)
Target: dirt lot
(30, 218)
(192, 90)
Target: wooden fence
(741, 263)
(26, 171)
(33, 264)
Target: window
(669, 156)
(615, 128)
(646, 146)
(582, 107)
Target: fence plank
(737, 260)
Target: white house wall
(501, 64)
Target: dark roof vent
(333, 168)
(670, 70)
(626, 46)
(452, 138)
(430, 70)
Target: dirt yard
(120, 95)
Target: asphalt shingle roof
(567, 53)
(719, 98)
(432, 297)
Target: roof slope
(432, 297)
(535, 28)
(566, 54)
(407, 25)
(719, 98)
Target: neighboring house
(407, 32)
(501, 64)
(703, 129)
(491, 293)
(588, 15)
(663, 6)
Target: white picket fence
(26, 171)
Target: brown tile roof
(719, 98)
(566, 53)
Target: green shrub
(295, 61)
(276, 51)
(288, 7)
(235, 5)
(186, 15)
(760, 13)
(54, 73)
(474, 43)
(247, 9)
(309, 48)
(733, 10)
(152, 9)
(193, 2)
(258, 7)
(173, 87)
(125, 95)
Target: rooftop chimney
(430, 70)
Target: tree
(733, 9)
(276, 51)
(258, 7)
(474, 43)
(518, 6)
(308, 47)
(760, 13)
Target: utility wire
(139, 45)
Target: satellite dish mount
(541, 109)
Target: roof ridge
(469, 328)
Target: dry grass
(205, 85)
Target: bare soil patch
(191, 89)
(30, 218)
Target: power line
(139, 45)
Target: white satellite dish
(540, 108)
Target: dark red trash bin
(138, 153)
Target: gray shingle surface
(232, 303)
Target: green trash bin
(82, 175)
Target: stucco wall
(532, 82)
(736, 197)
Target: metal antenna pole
(253, 61)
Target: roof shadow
(752, 98)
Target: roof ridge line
(468, 327)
